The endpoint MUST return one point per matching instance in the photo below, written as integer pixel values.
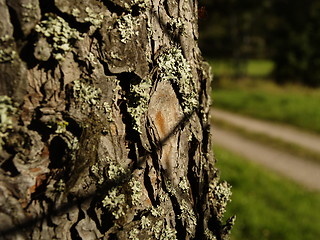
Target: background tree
(284, 31)
(296, 52)
(104, 130)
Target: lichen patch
(174, 67)
(7, 110)
(59, 34)
(138, 102)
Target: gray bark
(104, 130)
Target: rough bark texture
(104, 130)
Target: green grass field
(261, 98)
(253, 68)
(267, 206)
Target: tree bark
(104, 130)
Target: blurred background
(265, 57)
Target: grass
(260, 98)
(252, 68)
(267, 206)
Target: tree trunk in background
(104, 130)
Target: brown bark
(104, 130)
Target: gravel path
(298, 169)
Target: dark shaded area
(9, 167)
(57, 149)
(287, 32)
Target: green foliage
(296, 38)
(267, 206)
(232, 28)
(285, 31)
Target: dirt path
(280, 131)
(301, 170)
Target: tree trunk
(104, 130)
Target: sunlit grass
(293, 105)
(252, 68)
(267, 206)
(255, 95)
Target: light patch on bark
(165, 113)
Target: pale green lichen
(126, 26)
(7, 110)
(114, 171)
(157, 228)
(136, 191)
(189, 216)
(61, 127)
(7, 55)
(145, 222)
(157, 211)
(29, 6)
(91, 58)
(73, 144)
(143, 4)
(204, 114)
(95, 170)
(174, 67)
(176, 24)
(28, 14)
(170, 188)
(183, 184)
(86, 93)
(108, 111)
(138, 102)
(209, 235)
(160, 229)
(163, 197)
(71, 141)
(219, 196)
(59, 34)
(75, 12)
(168, 233)
(115, 55)
(5, 38)
(133, 234)
(60, 186)
(94, 18)
(115, 202)
(107, 170)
